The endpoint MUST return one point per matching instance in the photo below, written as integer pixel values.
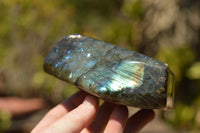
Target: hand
(81, 113)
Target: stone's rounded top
(112, 73)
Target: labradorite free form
(112, 73)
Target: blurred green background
(166, 30)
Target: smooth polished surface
(112, 73)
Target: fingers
(101, 120)
(76, 115)
(77, 119)
(117, 120)
(139, 120)
(61, 110)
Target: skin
(81, 113)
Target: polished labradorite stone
(112, 73)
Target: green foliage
(174, 57)
(193, 72)
(184, 117)
(182, 62)
(133, 9)
(5, 120)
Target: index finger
(60, 110)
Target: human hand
(81, 113)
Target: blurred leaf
(133, 9)
(38, 79)
(178, 58)
(194, 71)
(5, 120)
